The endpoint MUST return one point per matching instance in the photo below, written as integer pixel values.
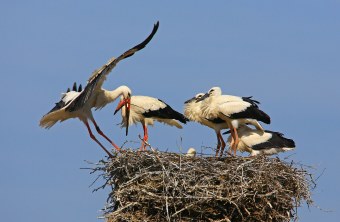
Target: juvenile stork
(257, 142)
(233, 110)
(79, 104)
(193, 111)
(191, 152)
(146, 110)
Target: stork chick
(258, 142)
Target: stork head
(191, 152)
(125, 100)
(195, 98)
(214, 91)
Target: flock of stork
(211, 109)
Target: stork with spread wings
(77, 103)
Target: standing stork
(233, 110)
(79, 104)
(193, 111)
(258, 142)
(146, 110)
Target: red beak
(127, 103)
(127, 114)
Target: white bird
(191, 152)
(79, 104)
(257, 142)
(146, 110)
(193, 111)
(234, 110)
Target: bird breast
(139, 106)
(193, 111)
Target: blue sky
(285, 54)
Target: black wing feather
(166, 113)
(96, 76)
(277, 141)
(252, 112)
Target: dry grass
(157, 186)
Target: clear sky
(285, 54)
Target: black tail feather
(80, 88)
(74, 88)
(250, 100)
(263, 117)
(281, 140)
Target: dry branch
(156, 186)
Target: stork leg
(95, 139)
(236, 141)
(222, 143)
(103, 135)
(231, 145)
(145, 138)
(232, 136)
(218, 145)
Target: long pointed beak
(203, 97)
(189, 100)
(127, 113)
(119, 106)
(127, 103)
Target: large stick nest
(156, 186)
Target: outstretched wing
(98, 77)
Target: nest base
(156, 186)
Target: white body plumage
(221, 106)
(140, 106)
(99, 99)
(193, 111)
(146, 110)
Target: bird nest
(158, 186)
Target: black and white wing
(98, 77)
(277, 140)
(57, 113)
(242, 108)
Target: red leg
(230, 146)
(103, 135)
(218, 145)
(95, 139)
(237, 140)
(232, 136)
(145, 138)
(222, 143)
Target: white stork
(79, 104)
(146, 110)
(258, 142)
(234, 110)
(193, 111)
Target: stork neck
(112, 95)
